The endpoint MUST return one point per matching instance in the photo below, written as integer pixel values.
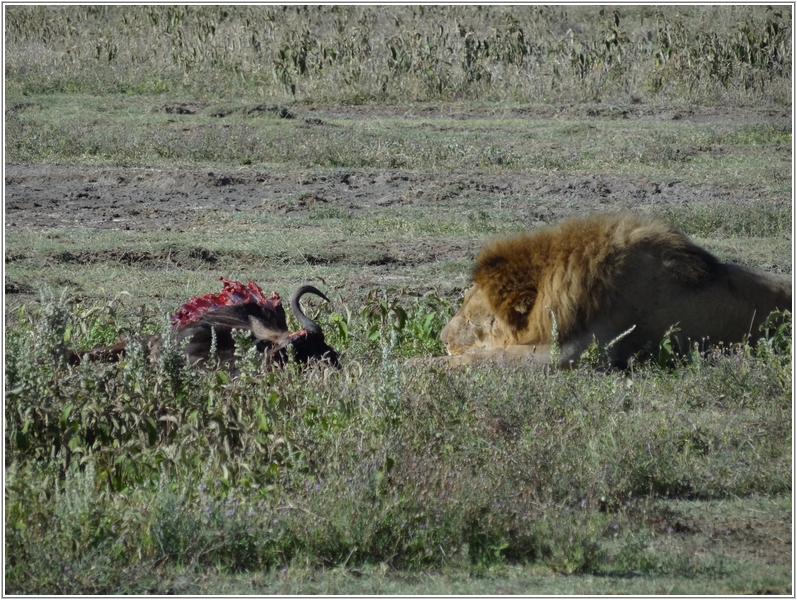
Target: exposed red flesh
(233, 293)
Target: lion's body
(601, 276)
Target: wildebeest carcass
(237, 306)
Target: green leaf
(65, 415)
(21, 440)
(263, 424)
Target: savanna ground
(151, 150)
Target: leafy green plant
(777, 329)
(416, 328)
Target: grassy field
(151, 150)
(354, 55)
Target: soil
(41, 197)
(694, 114)
(748, 536)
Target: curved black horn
(306, 322)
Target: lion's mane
(570, 267)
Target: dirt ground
(40, 197)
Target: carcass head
(240, 306)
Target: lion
(620, 280)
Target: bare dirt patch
(748, 535)
(296, 204)
(41, 197)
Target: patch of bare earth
(41, 197)
(749, 536)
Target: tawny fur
(571, 268)
(601, 276)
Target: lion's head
(475, 326)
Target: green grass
(80, 129)
(162, 269)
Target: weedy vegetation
(153, 476)
(406, 54)
(112, 467)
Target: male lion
(601, 276)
